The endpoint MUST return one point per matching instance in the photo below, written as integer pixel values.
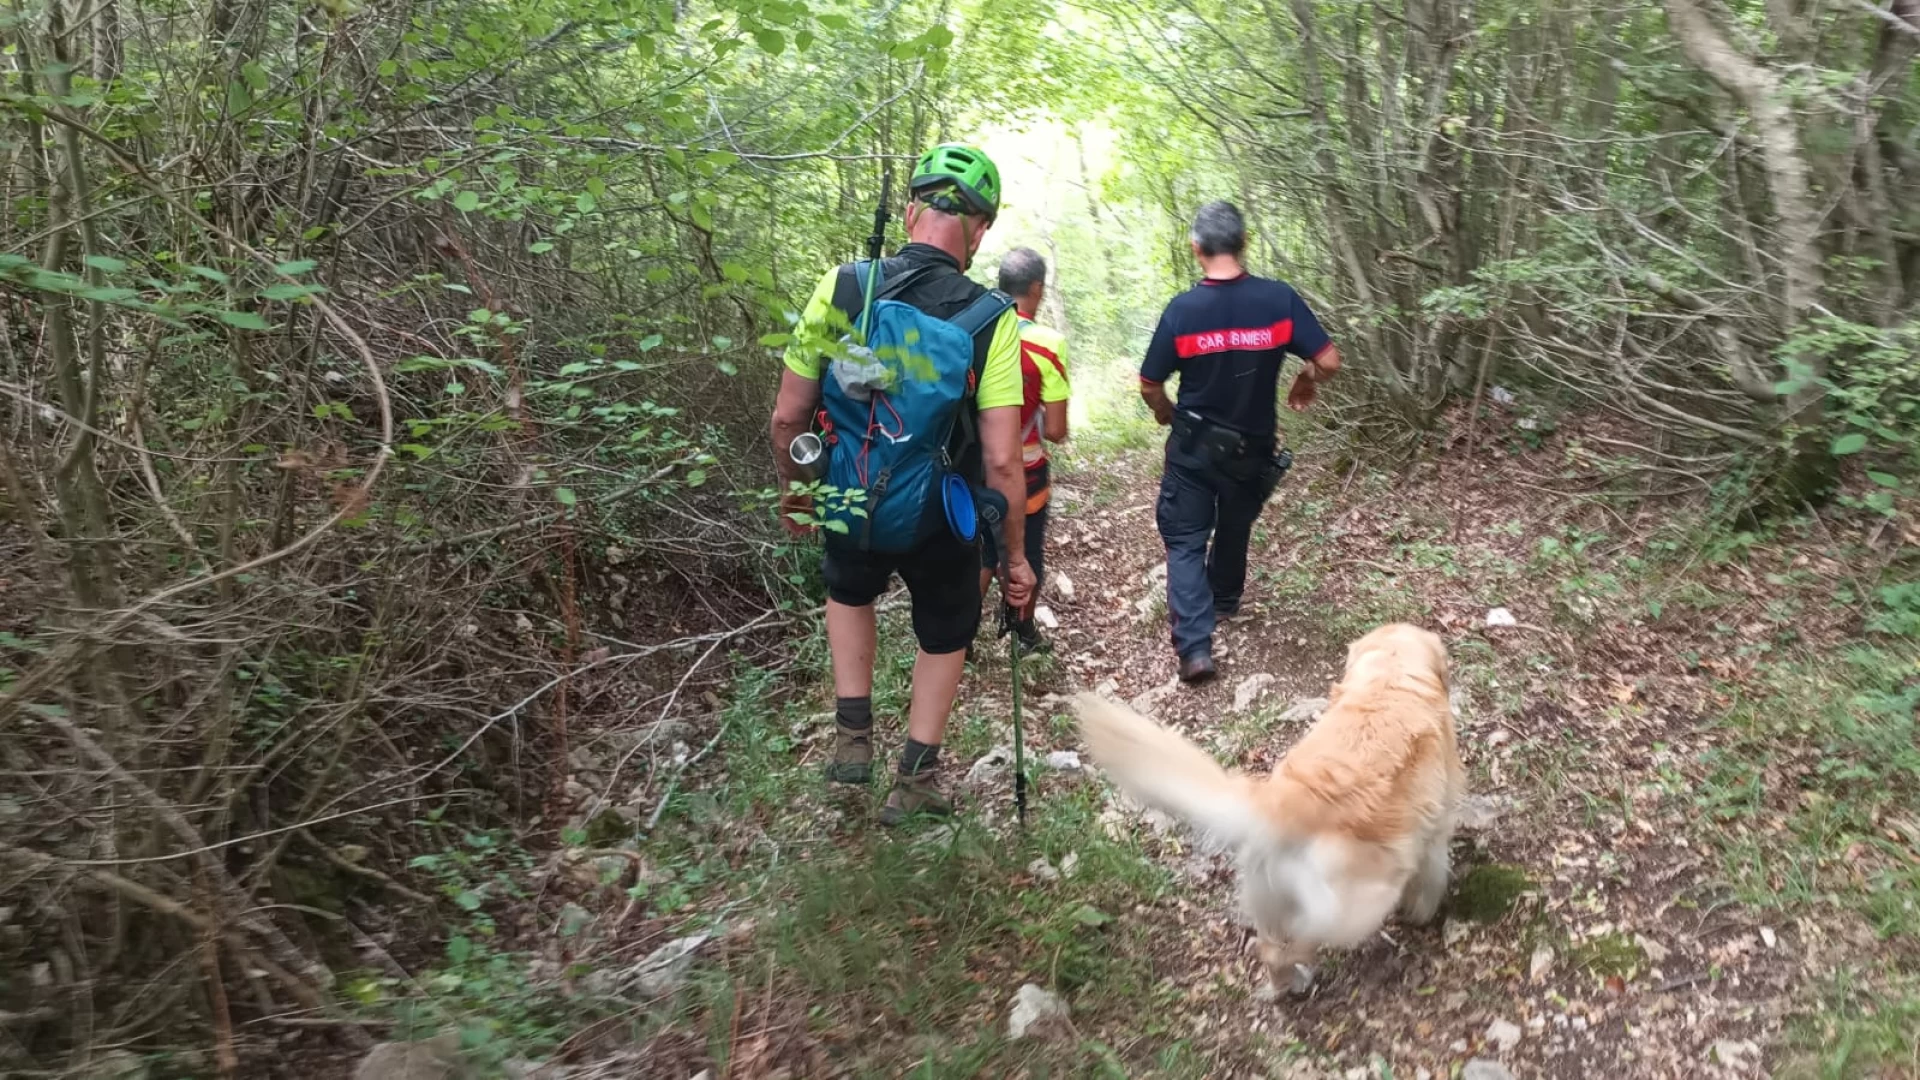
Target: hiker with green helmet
(914, 525)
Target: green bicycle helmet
(968, 171)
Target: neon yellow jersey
(1043, 372)
(1000, 381)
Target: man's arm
(1311, 344)
(1155, 395)
(999, 399)
(1007, 474)
(1055, 426)
(1161, 362)
(1054, 392)
(792, 416)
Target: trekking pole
(876, 243)
(1019, 743)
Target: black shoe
(1031, 642)
(1196, 667)
(1225, 611)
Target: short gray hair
(1219, 229)
(1020, 270)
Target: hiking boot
(1031, 642)
(1197, 667)
(852, 755)
(914, 796)
(1223, 610)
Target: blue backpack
(899, 417)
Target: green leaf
(696, 477)
(565, 496)
(728, 367)
(107, 263)
(295, 268)
(468, 900)
(106, 295)
(650, 342)
(244, 320)
(1885, 480)
(467, 202)
(772, 42)
(585, 202)
(389, 68)
(1088, 915)
(239, 98)
(289, 292)
(209, 273)
(459, 948)
(540, 248)
(1851, 443)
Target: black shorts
(1035, 544)
(942, 577)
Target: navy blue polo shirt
(1228, 340)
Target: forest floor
(1693, 849)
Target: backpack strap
(983, 315)
(850, 290)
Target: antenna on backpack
(876, 243)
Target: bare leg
(936, 679)
(1289, 965)
(851, 636)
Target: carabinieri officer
(1227, 337)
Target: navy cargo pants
(1202, 501)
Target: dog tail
(1162, 769)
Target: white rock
(1767, 935)
(938, 836)
(1734, 1054)
(1042, 869)
(1149, 700)
(1250, 689)
(1062, 585)
(1504, 1034)
(1043, 615)
(1501, 617)
(1540, 964)
(437, 1058)
(1064, 761)
(1483, 1069)
(1500, 394)
(1304, 710)
(1481, 811)
(1038, 1013)
(991, 767)
(1069, 864)
(666, 967)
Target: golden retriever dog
(1354, 822)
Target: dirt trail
(1589, 930)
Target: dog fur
(1355, 821)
